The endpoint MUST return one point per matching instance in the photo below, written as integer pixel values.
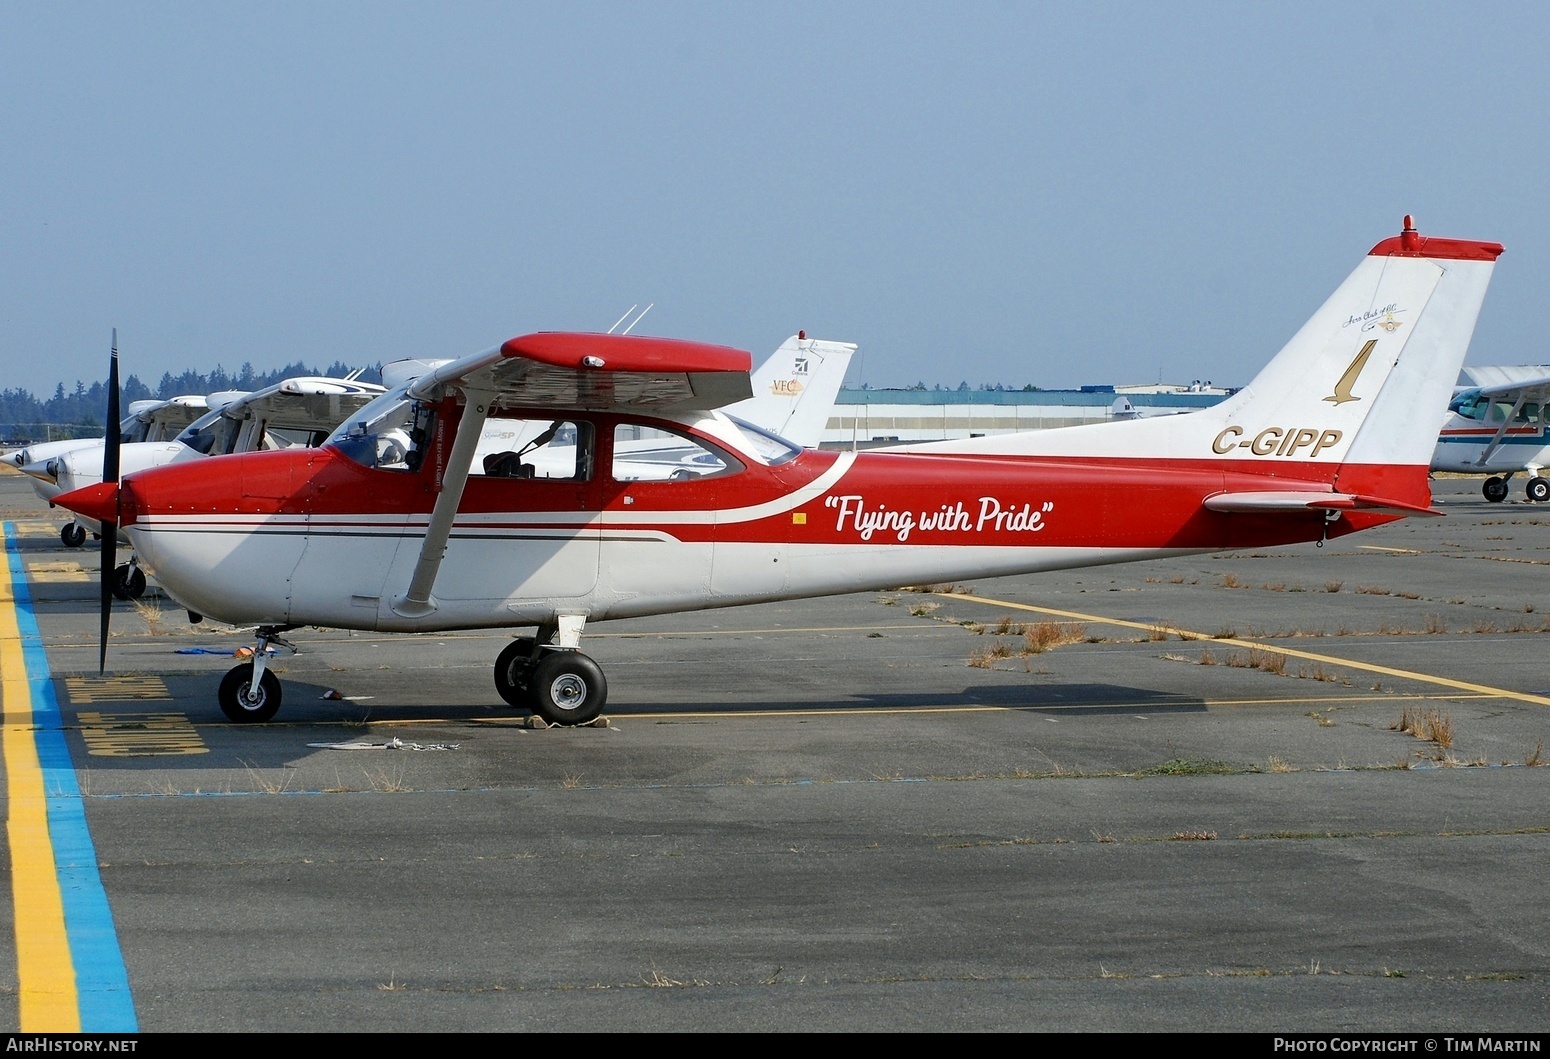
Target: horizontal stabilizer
(1262, 503)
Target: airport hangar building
(867, 417)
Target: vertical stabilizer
(1356, 394)
(794, 390)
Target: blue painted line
(101, 980)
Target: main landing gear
(545, 673)
(554, 680)
(72, 536)
(1536, 490)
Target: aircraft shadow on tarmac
(309, 717)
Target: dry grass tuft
(1432, 726)
(1333, 586)
(1371, 590)
(1231, 581)
(1044, 635)
(1192, 836)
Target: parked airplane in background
(293, 413)
(1498, 427)
(152, 420)
(366, 533)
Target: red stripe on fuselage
(907, 499)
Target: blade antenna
(638, 319)
(619, 321)
(110, 455)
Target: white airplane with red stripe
(391, 527)
(1498, 427)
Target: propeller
(109, 526)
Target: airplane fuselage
(312, 537)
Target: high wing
(562, 371)
(588, 372)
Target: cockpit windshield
(389, 433)
(213, 434)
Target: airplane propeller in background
(109, 528)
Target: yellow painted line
(35, 528)
(1186, 634)
(1381, 548)
(88, 690)
(45, 973)
(139, 734)
(60, 571)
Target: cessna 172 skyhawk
(371, 533)
(147, 421)
(1500, 426)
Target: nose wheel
(242, 702)
(128, 581)
(250, 693)
(72, 536)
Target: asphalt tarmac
(1297, 790)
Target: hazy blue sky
(992, 192)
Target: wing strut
(1506, 424)
(417, 602)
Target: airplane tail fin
(1350, 405)
(794, 390)
(1362, 383)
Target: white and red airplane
(1498, 427)
(390, 527)
(147, 421)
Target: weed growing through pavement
(1432, 726)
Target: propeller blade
(109, 566)
(111, 442)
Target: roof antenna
(619, 321)
(638, 319)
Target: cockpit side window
(556, 449)
(650, 454)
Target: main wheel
(514, 671)
(238, 700)
(128, 581)
(567, 688)
(1495, 490)
(1537, 490)
(72, 536)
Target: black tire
(1537, 490)
(514, 672)
(567, 688)
(72, 536)
(240, 706)
(1495, 490)
(128, 582)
